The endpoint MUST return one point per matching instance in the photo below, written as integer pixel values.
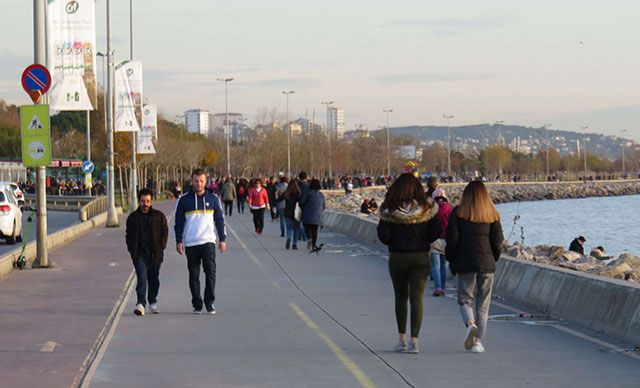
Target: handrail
(97, 206)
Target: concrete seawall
(54, 241)
(605, 305)
(500, 192)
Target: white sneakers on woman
(472, 330)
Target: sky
(570, 63)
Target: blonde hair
(476, 205)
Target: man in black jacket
(146, 237)
(577, 245)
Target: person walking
(291, 199)
(258, 203)
(242, 193)
(313, 208)
(197, 212)
(440, 266)
(303, 183)
(408, 225)
(228, 196)
(474, 243)
(146, 236)
(279, 205)
(271, 194)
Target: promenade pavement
(293, 319)
(56, 220)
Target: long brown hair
(292, 190)
(476, 205)
(405, 189)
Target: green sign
(36, 135)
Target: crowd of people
(62, 187)
(425, 236)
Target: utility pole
(112, 216)
(226, 121)
(287, 93)
(39, 44)
(134, 141)
(387, 111)
(328, 104)
(448, 117)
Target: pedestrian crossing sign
(36, 135)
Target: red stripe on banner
(36, 80)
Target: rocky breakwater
(625, 267)
(500, 192)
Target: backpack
(241, 190)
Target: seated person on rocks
(364, 208)
(598, 253)
(577, 245)
(373, 205)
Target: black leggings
(228, 207)
(258, 219)
(312, 233)
(409, 271)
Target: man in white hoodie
(197, 211)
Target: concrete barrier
(605, 305)
(54, 241)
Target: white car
(17, 191)
(10, 215)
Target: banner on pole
(71, 32)
(128, 74)
(149, 130)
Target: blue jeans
(439, 270)
(202, 255)
(293, 227)
(241, 202)
(147, 274)
(282, 221)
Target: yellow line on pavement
(348, 363)
(247, 250)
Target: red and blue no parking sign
(36, 81)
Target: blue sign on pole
(87, 166)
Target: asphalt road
(56, 220)
(293, 319)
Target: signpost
(36, 81)
(87, 168)
(36, 135)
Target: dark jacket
(313, 208)
(410, 228)
(576, 246)
(289, 205)
(472, 247)
(159, 234)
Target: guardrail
(98, 206)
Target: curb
(54, 241)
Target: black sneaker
(287, 245)
(294, 247)
(211, 310)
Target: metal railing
(98, 206)
(87, 207)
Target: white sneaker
(400, 347)
(139, 310)
(477, 347)
(154, 308)
(472, 330)
(196, 312)
(413, 349)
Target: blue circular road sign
(88, 166)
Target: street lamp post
(622, 131)
(112, 216)
(546, 127)
(499, 124)
(448, 117)
(226, 121)
(584, 151)
(328, 104)
(387, 111)
(134, 138)
(288, 93)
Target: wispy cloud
(431, 78)
(453, 26)
(288, 83)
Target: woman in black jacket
(408, 225)
(474, 241)
(291, 196)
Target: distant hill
(472, 138)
